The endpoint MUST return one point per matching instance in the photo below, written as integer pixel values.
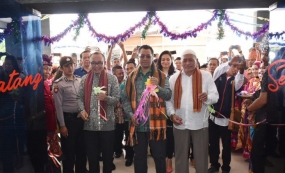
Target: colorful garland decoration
(276, 35)
(120, 37)
(193, 33)
(15, 28)
(81, 23)
(239, 32)
(152, 19)
(150, 22)
(221, 31)
(50, 40)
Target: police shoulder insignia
(59, 79)
(55, 88)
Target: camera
(234, 46)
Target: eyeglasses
(145, 56)
(100, 63)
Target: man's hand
(135, 53)
(154, 80)
(176, 119)
(203, 97)
(121, 44)
(64, 131)
(133, 120)
(234, 60)
(101, 97)
(84, 115)
(242, 66)
(238, 48)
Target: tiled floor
(238, 164)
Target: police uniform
(65, 97)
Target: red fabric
(49, 108)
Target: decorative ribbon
(141, 113)
(212, 111)
(83, 19)
(98, 90)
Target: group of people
(94, 107)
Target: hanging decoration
(151, 18)
(81, 23)
(150, 21)
(221, 30)
(276, 35)
(120, 37)
(50, 40)
(259, 18)
(186, 34)
(247, 35)
(15, 28)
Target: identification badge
(55, 89)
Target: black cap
(65, 61)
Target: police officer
(65, 91)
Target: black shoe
(113, 167)
(128, 162)
(213, 170)
(225, 171)
(118, 155)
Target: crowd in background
(98, 127)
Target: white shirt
(192, 120)
(238, 84)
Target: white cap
(225, 57)
(188, 51)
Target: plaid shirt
(164, 93)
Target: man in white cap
(192, 90)
(225, 59)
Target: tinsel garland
(152, 18)
(221, 30)
(120, 37)
(50, 40)
(151, 14)
(15, 27)
(193, 33)
(247, 35)
(276, 35)
(81, 23)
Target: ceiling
(88, 6)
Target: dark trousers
(129, 149)
(158, 153)
(97, 141)
(258, 151)
(73, 146)
(169, 143)
(282, 136)
(37, 149)
(119, 135)
(215, 133)
(271, 139)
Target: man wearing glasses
(153, 131)
(97, 109)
